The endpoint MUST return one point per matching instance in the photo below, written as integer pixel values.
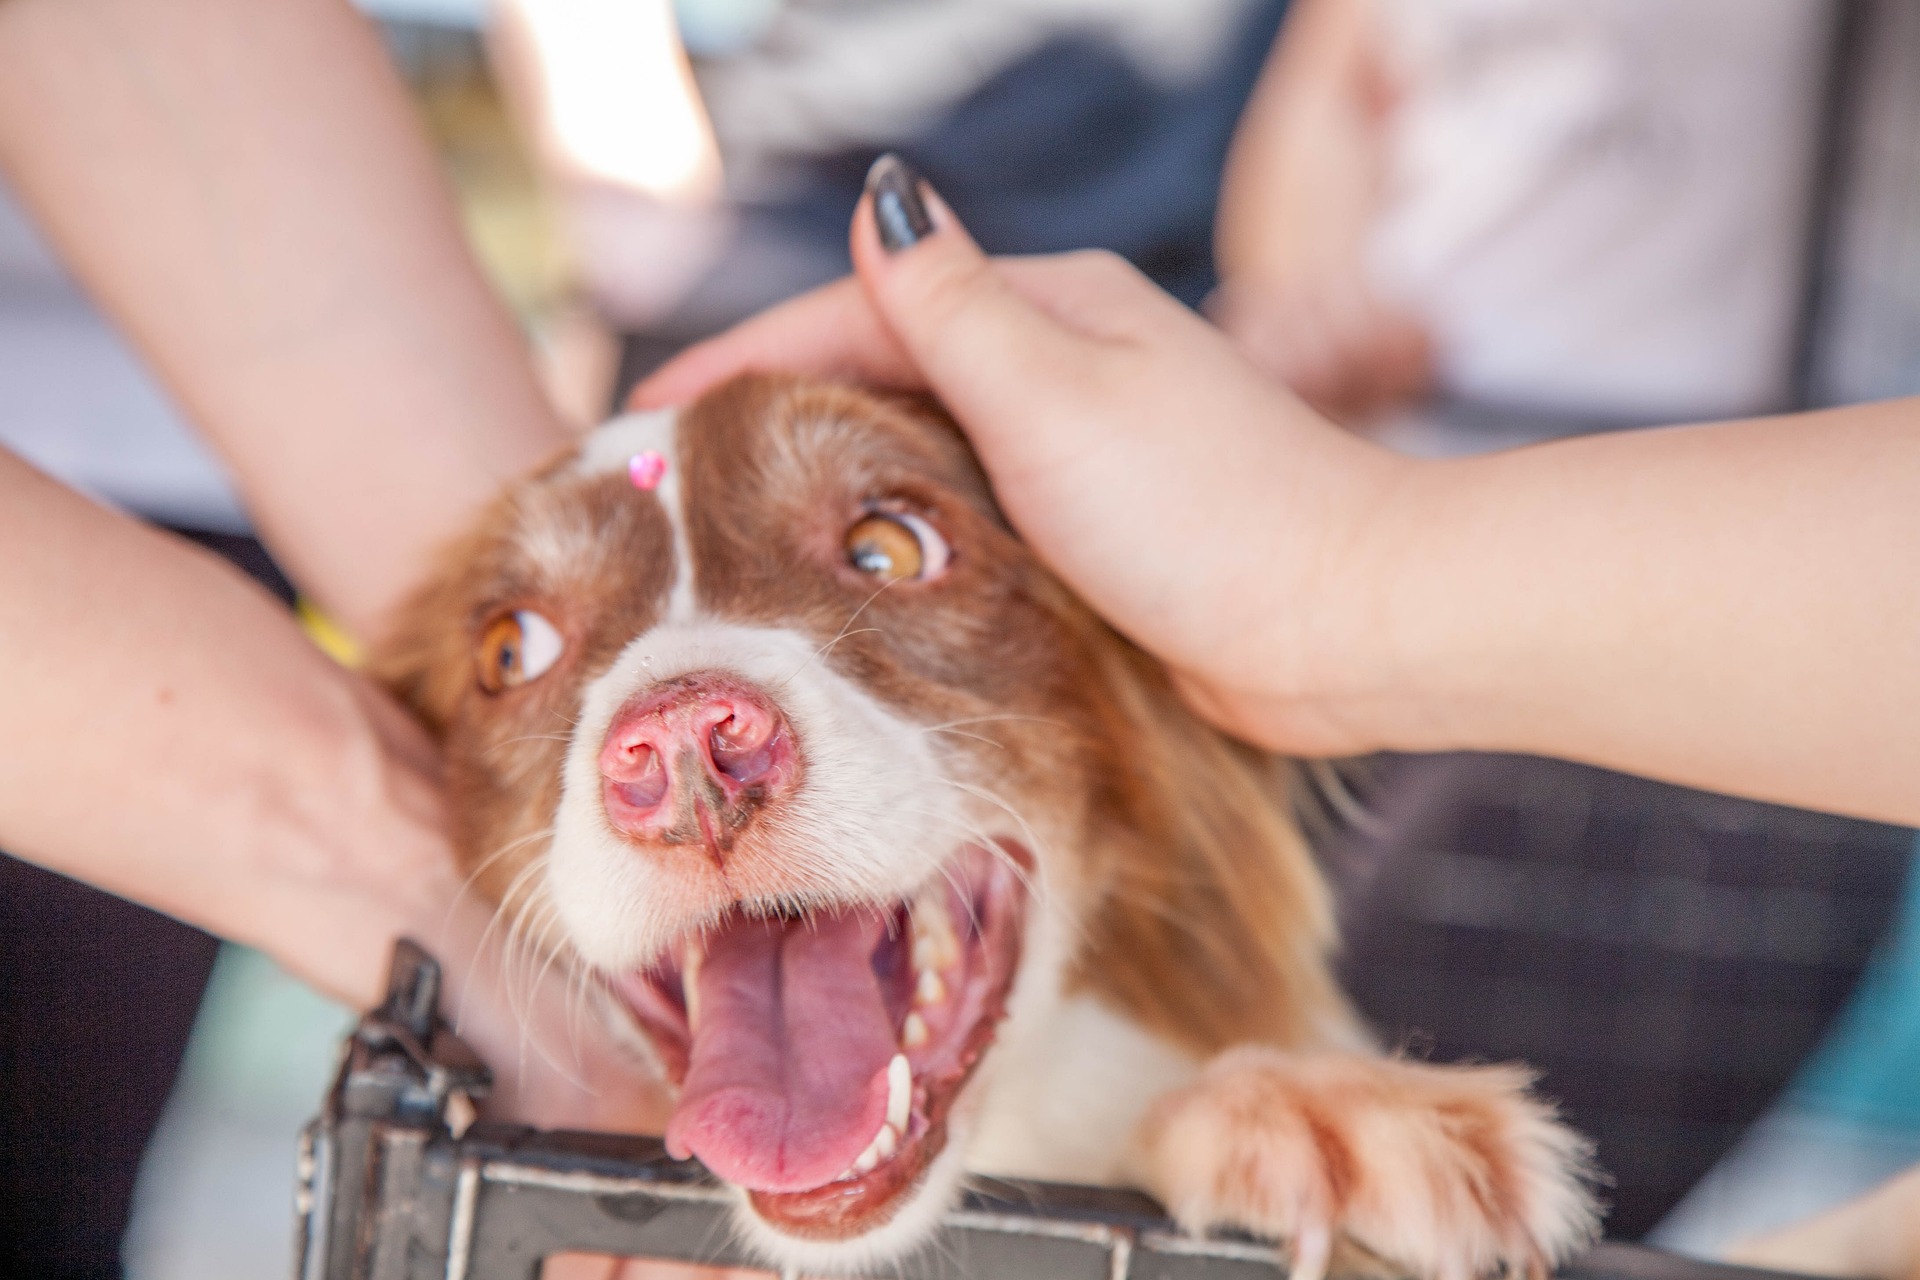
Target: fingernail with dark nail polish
(898, 210)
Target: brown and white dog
(907, 866)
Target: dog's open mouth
(820, 1054)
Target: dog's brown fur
(1202, 918)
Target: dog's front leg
(1448, 1172)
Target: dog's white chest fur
(1068, 1096)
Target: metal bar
(466, 1198)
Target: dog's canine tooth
(899, 1092)
(913, 1033)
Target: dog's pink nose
(693, 760)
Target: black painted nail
(898, 210)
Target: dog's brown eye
(895, 546)
(518, 647)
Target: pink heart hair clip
(646, 469)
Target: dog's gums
(818, 1053)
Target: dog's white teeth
(872, 1156)
(930, 990)
(935, 944)
(899, 1093)
(936, 949)
(913, 1033)
(884, 1144)
(690, 962)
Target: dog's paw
(1449, 1173)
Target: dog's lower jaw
(914, 1217)
(1059, 1098)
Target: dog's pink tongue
(787, 1083)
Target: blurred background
(1455, 225)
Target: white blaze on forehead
(612, 446)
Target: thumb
(991, 355)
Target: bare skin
(1731, 606)
(1297, 203)
(244, 189)
(184, 745)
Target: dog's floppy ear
(1213, 923)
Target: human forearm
(173, 738)
(1298, 206)
(253, 202)
(1735, 606)
(1300, 181)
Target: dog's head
(802, 752)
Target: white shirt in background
(1602, 206)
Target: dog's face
(801, 751)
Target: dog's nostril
(741, 749)
(643, 782)
(703, 741)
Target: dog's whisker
(540, 915)
(787, 680)
(1033, 839)
(1051, 722)
(842, 634)
(962, 733)
(480, 868)
(503, 911)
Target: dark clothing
(1665, 958)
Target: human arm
(1298, 201)
(244, 188)
(172, 737)
(1731, 606)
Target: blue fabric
(1868, 1069)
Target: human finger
(996, 358)
(832, 332)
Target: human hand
(1331, 339)
(555, 1054)
(193, 751)
(1204, 511)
